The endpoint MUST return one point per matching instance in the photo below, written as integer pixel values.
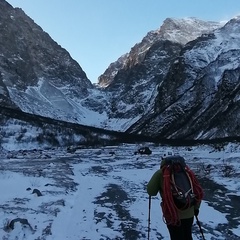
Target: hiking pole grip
(199, 225)
(149, 213)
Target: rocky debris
(144, 150)
(23, 221)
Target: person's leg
(176, 232)
(183, 231)
(187, 228)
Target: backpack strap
(191, 183)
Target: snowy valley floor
(100, 194)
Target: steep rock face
(199, 97)
(39, 75)
(178, 31)
(5, 99)
(133, 79)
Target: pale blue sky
(97, 32)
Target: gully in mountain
(181, 196)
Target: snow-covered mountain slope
(133, 79)
(39, 76)
(199, 97)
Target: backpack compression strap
(180, 193)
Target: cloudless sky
(97, 32)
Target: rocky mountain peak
(233, 26)
(186, 29)
(199, 96)
(174, 30)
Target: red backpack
(181, 189)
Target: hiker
(179, 219)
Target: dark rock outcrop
(37, 74)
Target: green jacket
(155, 185)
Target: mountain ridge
(215, 64)
(167, 87)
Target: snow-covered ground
(100, 194)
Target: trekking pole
(149, 212)
(198, 223)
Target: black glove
(196, 212)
